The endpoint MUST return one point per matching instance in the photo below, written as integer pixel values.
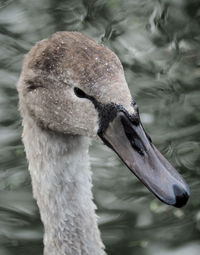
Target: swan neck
(61, 181)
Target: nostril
(181, 195)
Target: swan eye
(33, 85)
(79, 93)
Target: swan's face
(71, 85)
(66, 77)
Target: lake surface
(158, 43)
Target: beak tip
(181, 196)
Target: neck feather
(61, 180)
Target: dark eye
(79, 93)
(32, 85)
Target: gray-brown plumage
(52, 113)
(61, 51)
(60, 63)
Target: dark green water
(158, 43)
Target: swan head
(70, 84)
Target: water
(158, 43)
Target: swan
(72, 90)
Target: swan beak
(136, 150)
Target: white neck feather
(61, 180)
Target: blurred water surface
(158, 43)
